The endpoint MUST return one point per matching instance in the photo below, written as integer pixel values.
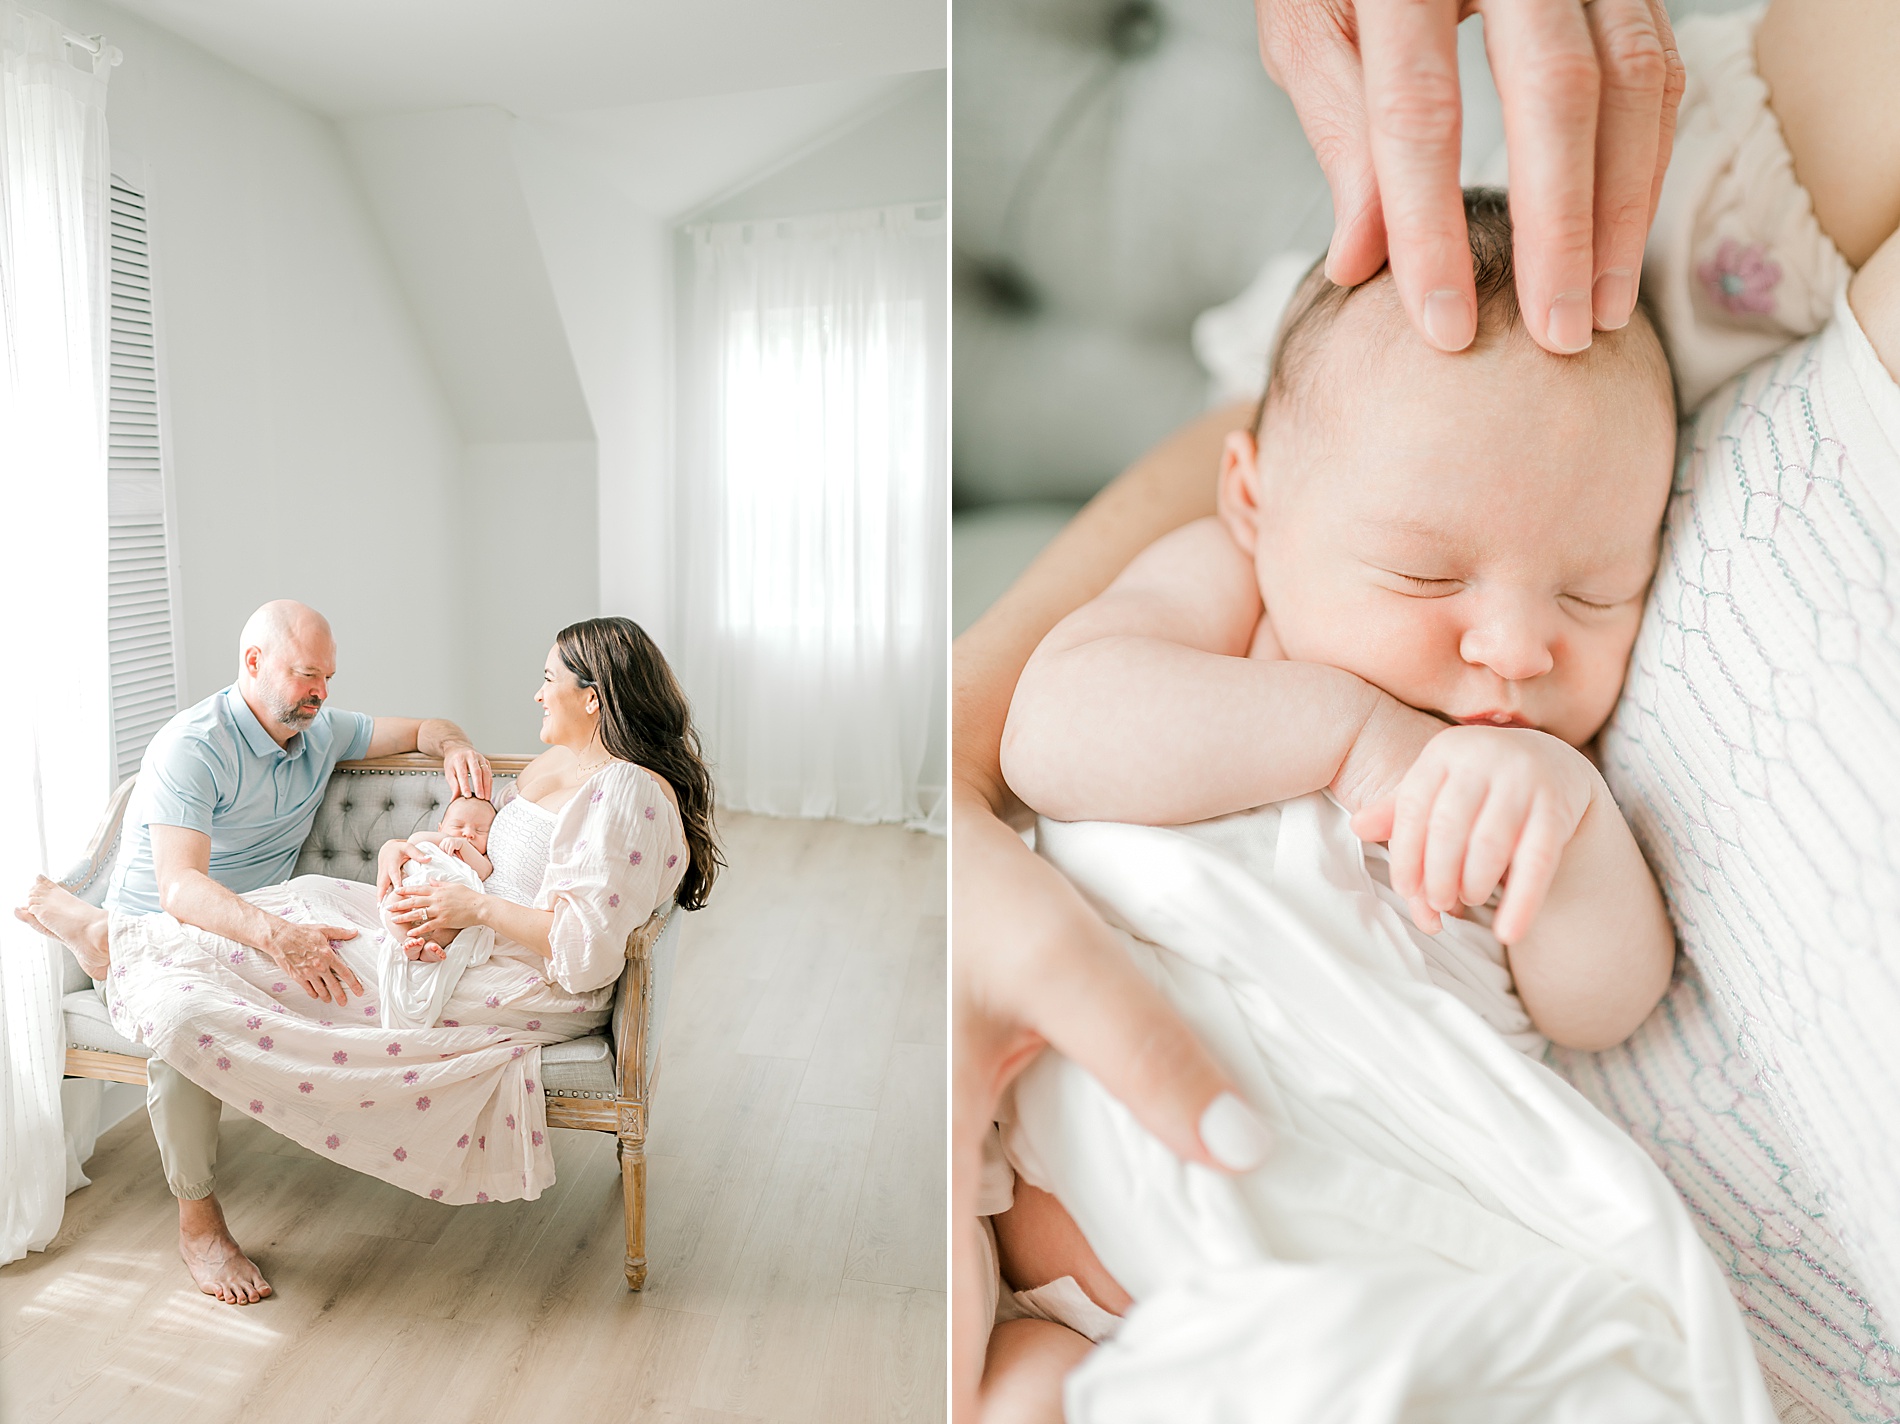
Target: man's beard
(297, 715)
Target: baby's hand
(1480, 802)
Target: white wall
(894, 153)
(527, 570)
(313, 454)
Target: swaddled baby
(414, 991)
(1419, 595)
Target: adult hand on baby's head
(1480, 802)
(1589, 93)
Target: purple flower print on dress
(326, 1023)
(633, 857)
(671, 861)
(257, 1105)
(411, 1076)
(462, 1141)
(537, 1138)
(204, 1040)
(580, 845)
(339, 1057)
(510, 1120)
(492, 1028)
(253, 1021)
(306, 1087)
(647, 811)
(401, 1154)
(481, 1196)
(331, 1141)
(393, 1050)
(369, 1011)
(237, 956)
(596, 797)
(186, 988)
(613, 902)
(166, 961)
(493, 1001)
(367, 1103)
(517, 1051)
(278, 988)
(435, 1194)
(534, 1023)
(1741, 279)
(451, 1023)
(482, 1142)
(531, 1085)
(422, 1104)
(265, 1043)
(224, 1063)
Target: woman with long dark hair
(609, 825)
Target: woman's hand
(1480, 801)
(1035, 967)
(1590, 93)
(436, 909)
(389, 863)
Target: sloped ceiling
(534, 57)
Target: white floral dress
(453, 1112)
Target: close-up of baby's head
(470, 817)
(1472, 532)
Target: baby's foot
(54, 910)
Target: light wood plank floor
(795, 1233)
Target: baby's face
(469, 817)
(1474, 533)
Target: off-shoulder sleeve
(617, 854)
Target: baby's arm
(463, 849)
(1590, 944)
(1144, 704)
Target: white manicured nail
(1234, 1134)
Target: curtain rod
(94, 45)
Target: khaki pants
(185, 1122)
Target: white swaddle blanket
(414, 991)
(1444, 1229)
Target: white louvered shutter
(139, 618)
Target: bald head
(286, 658)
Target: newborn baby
(1419, 595)
(414, 991)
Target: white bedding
(1445, 1230)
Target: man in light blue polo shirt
(226, 794)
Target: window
(138, 568)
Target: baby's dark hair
(1317, 302)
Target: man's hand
(1480, 801)
(1589, 93)
(308, 954)
(467, 770)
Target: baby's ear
(1237, 497)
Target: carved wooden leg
(633, 1182)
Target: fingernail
(1615, 298)
(1570, 322)
(1450, 323)
(1234, 1134)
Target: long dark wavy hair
(645, 719)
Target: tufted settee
(602, 1082)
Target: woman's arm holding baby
(1144, 705)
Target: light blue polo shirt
(213, 768)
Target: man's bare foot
(215, 1260)
(54, 910)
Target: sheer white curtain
(813, 502)
(55, 741)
